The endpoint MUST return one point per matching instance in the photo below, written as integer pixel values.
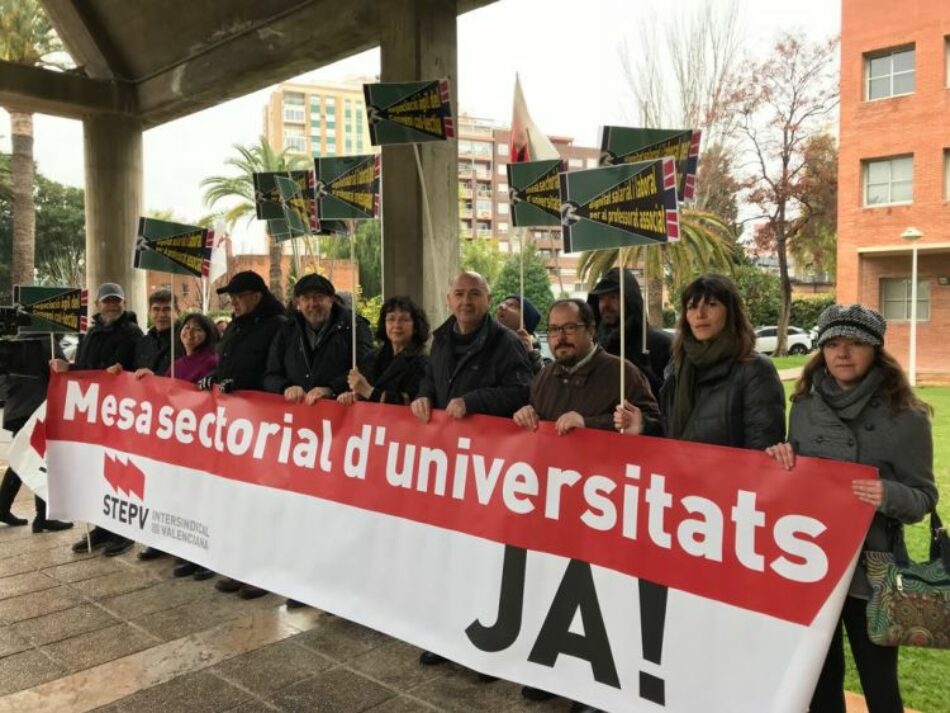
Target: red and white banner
(633, 574)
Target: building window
(502, 170)
(889, 181)
(889, 73)
(895, 299)
(293, 107)
(502, 227)
(502, 208)
(575, 163)
(294, 139)
(502, 187)
(331, 148)
(502, 149)
(592, 163)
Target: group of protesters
(704, 384)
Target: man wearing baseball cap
(242, 351)
(242, 355)
(110, 340)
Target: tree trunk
(655, 301)
(781, 346)
(24, 215)
(275, 279)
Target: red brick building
(894, 170)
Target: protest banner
(52, 309)
(534, 190)
(481, 541)
(620, 144)
(409, 112)
(270, 207)
(347, 187)
(175, 248)
(618, 206)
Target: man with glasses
(581, 388)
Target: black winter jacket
(291, 361)
(107, 344)
(659, 343)
(242, 351)
(493, 376)
(153, 351)
(396, 378)
(27, 377)
(737, 404)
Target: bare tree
(682, 78)
(783, 102)
(685, 80)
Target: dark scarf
(698, 357)
(848, 403)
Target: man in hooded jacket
(604, 300)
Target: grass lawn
(790, 362)
(924, 673)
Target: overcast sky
(570, 91)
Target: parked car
(766, 339)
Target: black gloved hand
(226, 386)
(206, 382)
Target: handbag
(910, 603)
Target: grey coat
(899, 445)
(737, 404)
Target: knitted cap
(851, 322)
(531, 314)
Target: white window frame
(923, 299)
(890, 54)
(865, 185)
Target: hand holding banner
(502, 526)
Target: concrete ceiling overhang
(159, 60)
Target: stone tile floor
(86, 632)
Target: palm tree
(258, 158)
(705, 244)
(26, 37)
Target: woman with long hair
(853, 403)
(717, 389)
(398, 366)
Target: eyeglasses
(568, 329)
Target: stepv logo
(125, 478)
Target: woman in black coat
(718, 390)
(399, 365)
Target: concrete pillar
(113, 159)
(418, 42)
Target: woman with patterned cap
(853, 403)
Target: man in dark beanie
(509, 313)
(312, 353)
(604, 300)
(242, 357)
